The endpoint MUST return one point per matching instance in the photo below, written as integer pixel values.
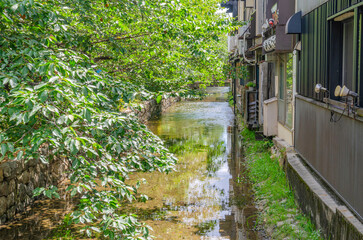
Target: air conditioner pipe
(243, 52)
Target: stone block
(42, 180)
(348, 226)
(22, 191)
(20, 167)
(44, 150)
(20, 207)
(48, 179)
(12, 186)
(43, 167)
(18, 179)
(3, 219)
(1, 174)
(30, 189)
(11, 199)
(37, 168)
(32, 162)
(3, 205)
(24, 177)
(8, 169)
(31, 171)
(28, 201)
(4, 189)
(11, 212)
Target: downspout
(234, 95)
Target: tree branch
(120, 38)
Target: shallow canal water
(206, 198)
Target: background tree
(66, 66)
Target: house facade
(328, 128)
(262, 57)
(304, 58)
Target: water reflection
(207, 197)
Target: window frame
(344, 50)
(283, 103)
(336, 58)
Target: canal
(207, 197)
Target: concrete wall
(260, 16)
(284, 133)
(241, 11)
(331, 217)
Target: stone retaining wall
(153, 109)
(18, 179)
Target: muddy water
(206, 198)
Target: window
(289, 92)
(270, 81)
(285, 70)
(345, 53)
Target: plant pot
(250, 88)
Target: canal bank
(278, 213)
(293, 202)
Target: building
(328, 128)
(305, 59)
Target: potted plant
(251, 86)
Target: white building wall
(241, 9)
(260, 16)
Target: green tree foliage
(65, 67)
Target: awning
(293, 25)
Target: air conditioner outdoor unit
(241, 46)
(270, 117)
(232, 43)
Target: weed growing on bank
(279, 213)
(230, 99)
